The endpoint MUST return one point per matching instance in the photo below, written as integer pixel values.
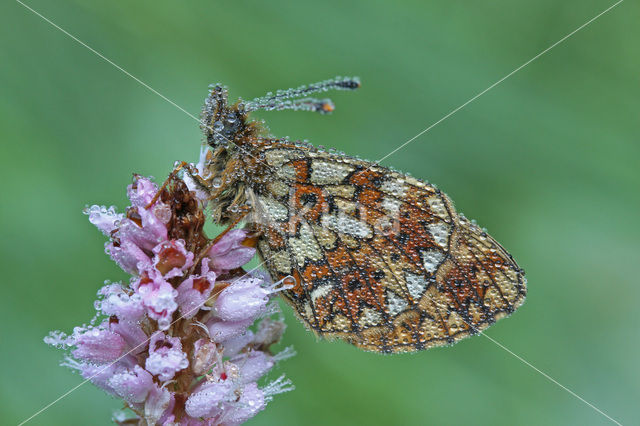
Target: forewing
(380, 259)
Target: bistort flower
(176, 342)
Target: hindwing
(381, 259)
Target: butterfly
(375, 257)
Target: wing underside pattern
(381, 259)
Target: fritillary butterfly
(376, 257)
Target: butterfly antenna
(285, 99)
(323, 106)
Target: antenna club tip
(327, 107)
(350, 83)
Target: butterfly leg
(172, 176)
(188, 169)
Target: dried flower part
(172, 259)
(194, 291)
(205, 356)
(175, 344)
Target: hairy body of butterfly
(380, 259)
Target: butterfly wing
(381, 259)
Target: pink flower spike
(132, 334)
(148, 230)
(220, 330)
(195, 291)
(199, 368)
(158, 402)
(229, 253)
(165, 356)
(133, 385)
(97, 344)
(207, 400)
(171, 258)
(236, 344)
(251, 402)
(158, 297)
(141, 191)
(100, 375)
(269, 332)
(245, 298)
(255, 364)
(128, 256)
(228, 242)
(106, 220)
(167, 418)
(119, 303)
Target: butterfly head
(223, 124)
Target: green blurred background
(548, 161)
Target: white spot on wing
(308, 312)
(278, 187)
(277, 157)
(432, 259)
(347, 225)
(370, 317)
(440, 233)
(437, 207)
(305, 247)
(321, 291)
(273, 210)
(391, 205)
(281, 261)
(393, 187)
(323, 173)
(416, 284)
(395, 303)
(287, 172)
